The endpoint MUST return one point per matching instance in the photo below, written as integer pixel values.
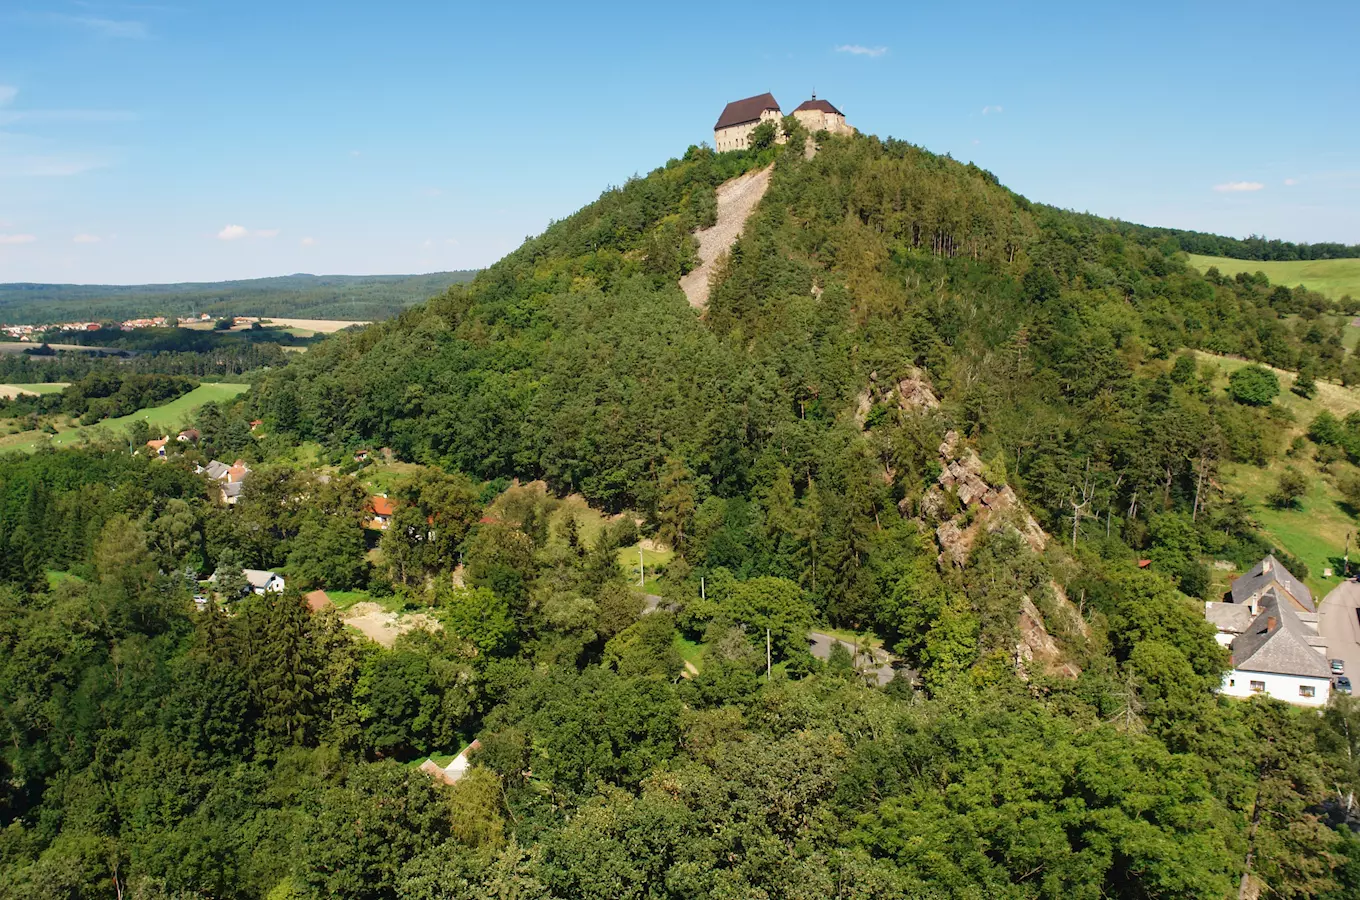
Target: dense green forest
(887, 314)
(356, 297)
(1244, 248)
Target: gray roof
(1269, 571)
(1281, 650)
(232, 488)
(259, 578)
(216, 469)
(1230, 617)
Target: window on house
(1307, 690)
(1258, 686)
(1232, 682)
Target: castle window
(1257, 687)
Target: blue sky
(203, 140)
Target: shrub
(1254, 386)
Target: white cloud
(452, 242)
(861, 50)
(308, 242)
(17, 239)
(427, 243)
(109, 28)
(976, 142)
(433, 192)
(988, 110)
(1290, 182)
(236, 232)
(87, 239)
(7, 93)
(1233, 187)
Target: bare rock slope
(737, 199)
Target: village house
(819, 115)
(1274, 656)
(1267, 574)
(1270, 627)
(260, 581)
(382, 510)
(741, 117)
(263, 582)
(157, 447)
(317, 601)
(188, 436)
(232, 478)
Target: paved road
(820, 646)
(1338, 624)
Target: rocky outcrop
(1036, 650)
(912, 392)
(979, 506)
(982, 505)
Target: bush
(1254, 386)
(1326, 429)
(1291, 487)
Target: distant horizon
(336, 136)
(127, 284)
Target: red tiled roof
(317, 601)
(382, 506)
(156, 444)
(816, 105)
(739, 112)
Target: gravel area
(737, 199)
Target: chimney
(1267, 565)
(1270, 623)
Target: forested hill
(355, 297)
(900, 361)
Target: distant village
(35, 332)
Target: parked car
(1338, 666)
(1343, 684)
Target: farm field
(162, 418)
(310, 326)
(1333, 278)
(9, 391)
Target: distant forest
(1254, 247)
(364, 297)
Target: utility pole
(642, 570)
(703, 594)
(1346, 558)
(767, 654)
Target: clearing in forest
(162, 419)
(10, 391)
(737, 199)
(1332, 278)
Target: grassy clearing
(1339, 400)
(1330, 277)
(162, 419)
(9, 391)
(690, 651)
(55, 577)
(385, 477)
(1315, 531)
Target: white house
(1276, 655)
(263, 582)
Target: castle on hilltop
(741, 117)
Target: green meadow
(162, 419)
(1333, 278)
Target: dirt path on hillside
(737, 199)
